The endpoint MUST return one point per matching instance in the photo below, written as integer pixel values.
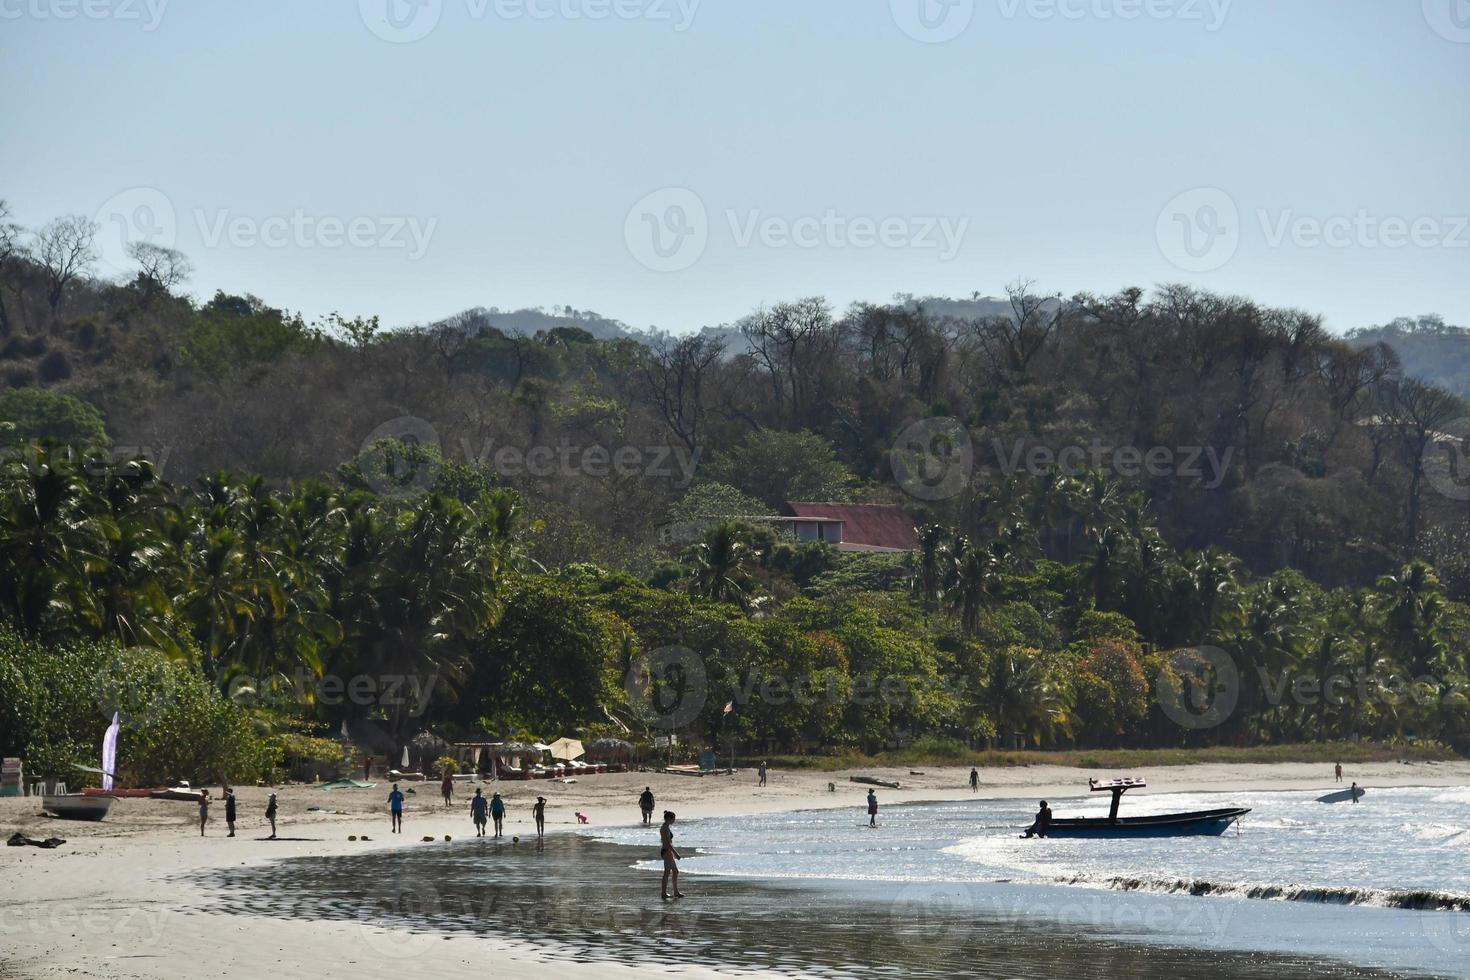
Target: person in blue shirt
(497, 811)
(395, 808)
(477, 812)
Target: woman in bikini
(669, 854)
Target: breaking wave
(1418, 900)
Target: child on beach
(270, 814)
(203, 810)
(478, 805)
(395, 808)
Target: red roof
(884, 526)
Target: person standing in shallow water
(395, 808)
(478, 806)
(497, 812)
(670, 855)
(645, 804)
(872, 808)
(539, 813)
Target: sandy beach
(110, 901)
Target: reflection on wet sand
(579, 898)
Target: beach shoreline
(114, 901)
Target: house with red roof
(883, 528)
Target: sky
(680, 163)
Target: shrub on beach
(175, 725)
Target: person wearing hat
(230, 810)
(497, 812)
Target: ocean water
(937, 890)
(1384, 882)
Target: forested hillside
(1098, 479)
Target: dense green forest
(266, 524)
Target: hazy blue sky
(677, 163)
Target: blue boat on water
(1197, 823)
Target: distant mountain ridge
(1428, 348)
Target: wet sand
(125, 898)
(578, 900)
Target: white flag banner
(109, 752)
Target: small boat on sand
(76, 806)
(1196, 823)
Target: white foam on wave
(1461, 795)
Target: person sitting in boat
(1042, 823)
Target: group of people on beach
(232, 812)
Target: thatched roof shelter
(609, 750)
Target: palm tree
(931, 553)
(719, 564)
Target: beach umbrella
(566, 748)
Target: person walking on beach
(538, 812)
(270, 814)
(974, 780)
(447, 788)
(1339, 772)
(762, 772)
(670, 855)
(203, 810)
(645, 804)
(395, 808)
(872, 808)
(1042, 824)
(497, 811)
(477, 812)
(230, 810)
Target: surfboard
(1342, 796)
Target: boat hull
(76, 806)
(1201, 823)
